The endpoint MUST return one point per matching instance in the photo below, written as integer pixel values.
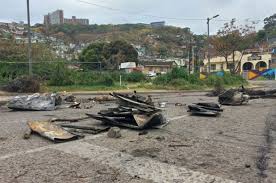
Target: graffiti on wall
(254, 74)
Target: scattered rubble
(51, 131)
(93, 129)
(242, 95)
(205, 109)
(70, 98)
(134, 111)
(35, 102)
(254, 94)
(233, 97)
(103, 98)
(68, 119)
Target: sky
(181, 13)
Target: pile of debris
(42, 102)
(133, 111)
(35, 102)
(205, 109)
(242, 95)
(233, 97)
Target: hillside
(161, 42)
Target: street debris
(51, 131)
(72, 120)
(242, 95)
(114, 132)
(70, 98)
(255, 94)
(91, 129)
(35, 102)
(205, 109)
(233, 97)
(103, 98)
(162, 104)
(134, 111)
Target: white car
(151, 74)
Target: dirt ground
(238, 146)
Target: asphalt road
(238, 146)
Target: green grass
(76, 88)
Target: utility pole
(29, 40)
(190, 55)
(208, 33)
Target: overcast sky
(174, 12)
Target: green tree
(117, 52)
(233, 38)
(94, 54)
(110, 55)
(270, 22)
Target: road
(238, 146)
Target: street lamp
(208, 28)
(29, 39)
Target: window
(213, 67)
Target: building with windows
(248, 61)
(57, 18)
(76, 21)
(54, 18)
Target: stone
(114, 132)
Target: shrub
(227, 79)
(60, 76)
(177, 76)
(135, 77)
(24, 84)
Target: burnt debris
(133, 111)
(205, 109)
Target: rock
(247, 165)
(27, 134)
(114, 132)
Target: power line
(133, 12)
(155, 16)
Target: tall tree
(270, 22)
(110, 55)
(230, 39)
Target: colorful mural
(254, 74)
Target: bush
(227, 79)
(24, 84)
(107, 81)
(177, 77)
(135, 77)
(60, 76)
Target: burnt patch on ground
(265, 149)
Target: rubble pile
(205, 109)
(133, 111)
(35, 102)
(233, 97)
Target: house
(148, 67)
(128, 67)
(253, 60)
